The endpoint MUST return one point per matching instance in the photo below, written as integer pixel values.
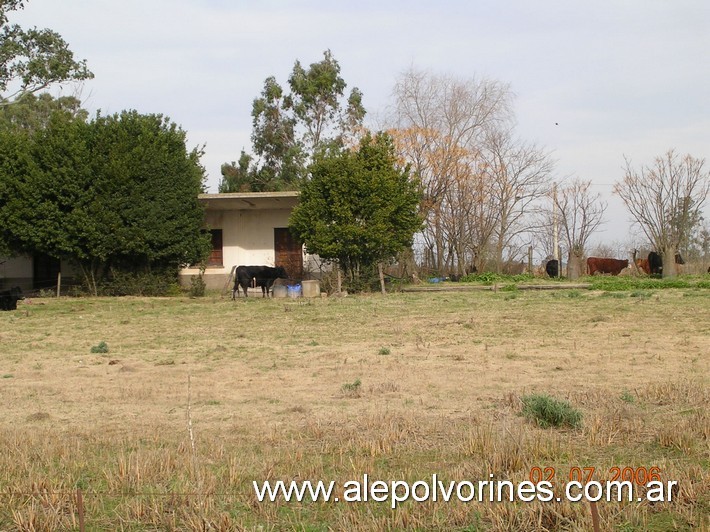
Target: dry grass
(273, 396)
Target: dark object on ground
(553, 268)
(9, 298)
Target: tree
(666, 200)
(118, 193)
(237, 177)
(32, 60)
(359, 208)
(519, 174)
(439, 124)
(581, 213)
(33, 112)
(315, 98)
(288, 130)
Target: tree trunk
(669, 262)
(575, 265)
(382, 278)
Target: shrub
(101, 348)
(352, 389)
(197, 285)
(151, 283)
(549, 412)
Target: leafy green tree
(359, 208)
(290, 129)
(237, 177)
(316, 95)
(34, 59)
(117, 193)
(32, 112)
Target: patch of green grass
(627, 397)
(509, 288)
(352, 388)
(489, 278)
(384, 351)
(102, 347)
(547, 411)
(612, 283)
(643, 294)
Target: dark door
(216, 255)
(287, 252)
(44, 271)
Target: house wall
(19, 271)
(16, 271)
(247, 239)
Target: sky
(594, 82)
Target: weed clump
(352, 389)
(547, 411)
(102, 347)
(197, 285)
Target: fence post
(530, 260)
(80, 507)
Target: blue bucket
(294, 291)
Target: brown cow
(604, 265)
(643, 265)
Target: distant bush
(549, 412)
(150, 284)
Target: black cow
(263, 276)
(553, 268)
(9, 298)
(655, 262)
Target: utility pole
(555, 234)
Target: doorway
(288, 252)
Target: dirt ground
(360, 373)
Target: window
(216, 255)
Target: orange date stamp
(637, 475)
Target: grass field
(167, 423)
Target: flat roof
(250, 200)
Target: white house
(250, 228)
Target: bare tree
(438, 123)
(519, 174)
(581, 213)
(666, 200)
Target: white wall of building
(247, 239)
